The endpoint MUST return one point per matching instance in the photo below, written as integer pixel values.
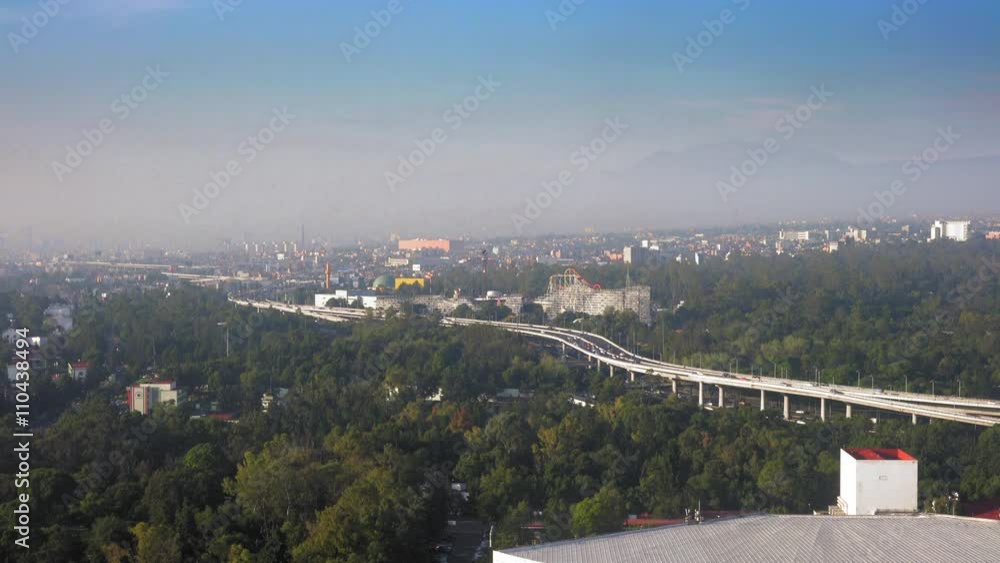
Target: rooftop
(880, 454)
(774, 538)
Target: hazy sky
(686, 114)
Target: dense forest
(357, 463)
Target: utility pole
(225, 324)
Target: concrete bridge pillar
(822, 408)
(848, 411)
(701, 393)
(722, 396)
(564, 349)
(631, 376)
(673, 384)
(787, 407)
(914, 419)
(762, 399)
(611, 370)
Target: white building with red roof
(877, 481)
(78, 370)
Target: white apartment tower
(955, 230)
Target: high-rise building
(955, 230)
(801, 236)
(636, 254)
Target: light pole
(959, 388)
(227, 336)
(873, 384)
(859, 378)
(906, 379)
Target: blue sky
(557, 86)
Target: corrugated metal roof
(770, 538)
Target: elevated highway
(606, 353)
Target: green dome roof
(384, 282)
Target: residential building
(144, 395)
(636, 254)
(856, 234)
(957, 231)
(798, 236)
(394, 262)
(267, 400)
(78, 370)
(446, 246)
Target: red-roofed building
(987, 509)
(877, 481)
(880, 454)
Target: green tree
(600, 514)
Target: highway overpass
(607, 354)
